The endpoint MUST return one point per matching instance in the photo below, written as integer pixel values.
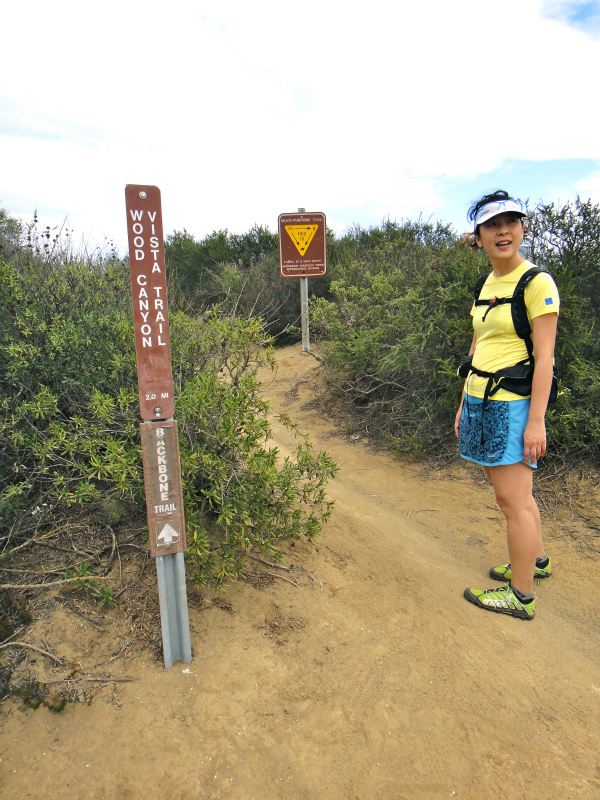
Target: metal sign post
(304, 314)
(158, 432)
(303, 252)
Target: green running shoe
(502, 600)
(504, 574)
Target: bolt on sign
(302, 244)
(149, 294)
(162, 479)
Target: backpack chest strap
(494, 302)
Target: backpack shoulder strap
(519, 309)
(479, 287)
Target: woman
(504, 431)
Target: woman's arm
(544, 337)
(462, 399)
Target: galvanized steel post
(175, 624)
(304, 308)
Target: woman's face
(501, 236)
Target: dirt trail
(380, 682)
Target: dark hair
(494, 197)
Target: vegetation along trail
(360, 673)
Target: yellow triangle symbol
(301, 236)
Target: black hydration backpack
(518, 378)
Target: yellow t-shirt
(497, 343)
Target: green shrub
(238, 492)
(67, 391)
(397, 324)
(394, 331)
(69, 416)
(240, 273)
(566, 241)
(197, 266)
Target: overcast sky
(241, 110)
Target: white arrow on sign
(167, 536)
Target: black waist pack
(517, 379)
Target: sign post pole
(303, 252)
(158, 431)
(170, 572)
(304, 314)
(304, 322)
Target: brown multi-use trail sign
(302, 244)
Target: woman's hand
(457, 420)
(462, 400)
(534, 437)
(534, 441)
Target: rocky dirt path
(371, 680)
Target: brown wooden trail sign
(160, 448)
(149, 295)
(162, 479)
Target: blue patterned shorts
(495, 436)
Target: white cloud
(589, 187)
(240, 111)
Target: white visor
(499, 207)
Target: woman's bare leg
(513, 485)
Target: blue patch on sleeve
(549, 301)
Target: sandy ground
(373, 679)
